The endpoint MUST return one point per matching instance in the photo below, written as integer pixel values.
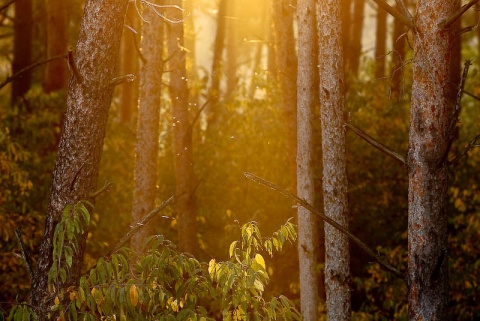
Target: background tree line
(201, 112)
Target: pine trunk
(430, 138)
(22, 48)
(335, 185)
(380, 43)
(398, 58)
(308, 224)
(79, 152)
(146, 149)
(182, 134)
(356, 36)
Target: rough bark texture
(380, 43)
(337, 260)
(57, 44)
(182, 135)
(356, 36)
(286, 73)
(146, 148)
(129, 64)
(308, 224)
(22, 48)
(89, 97)
(430, 137)
(399, 40)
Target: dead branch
(387, 266)
(372, 141)
(135, 228)
(458, 14)
(458, 100)
(471, 95)
(395, 13)
(30, 67)
(25, 256)
(103, 189)
(471, 145)
(122, 79)
(6, 5)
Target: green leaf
(233, 246)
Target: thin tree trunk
(356, 36)
(129, 64)
(215, 114)
(308, 224)
(380, 43)
(22, 48)
(231, 47)
(76, 169)
(146, 149)
(335, 185)
(430, 138)
(286, 72)
(182, 134)
(57, 44)
(398, 58)
(346, 31)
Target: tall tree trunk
(79, 152)
(146, 149)
(182, 134)
(356, 36)
(129, 64)
(399, 41)
(215, 114)
(22, 48)
(456, 57)
(380, 43)
(346, 27)
(286, 72)
(190, 44)
(231, 47)
(308, 224)
(430, 138)
(335, 185)
(57, 44)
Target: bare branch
(458, 107)
(372, 141)
(122, 79)
(25, 256)
(6, 5)
(195, 119)
(139, 225)
(471, 95)
(395, 13)
(103, 189)
(387, 266)
(30, 67)
(471, 145)
(458, 14)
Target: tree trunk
(215, 114)
(57, 44)
(430, 138)
(231, 47)
(22, 48)
(308, 224)
(335, 185)
(399, 40)
(380, 43)
(182, 135)
(346, 27)
(129, 64)
(146, 149)
(76, 169)
(356, 36)
(286, 72)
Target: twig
(458, 14)
(387, 266)
(103, 189)
(471, 145)
(205, 104)
(395, 13)
(6, 5)
(25, 256)
(28, 68)
(73, 66)
(122, 79)
(139, 225)
(471, 95)
(377, 144)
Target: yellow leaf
(211, 266)
(260, 260)
(134, 295)
(57, 301)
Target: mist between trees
(206, 160)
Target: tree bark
(308, 224)
(286, 73)
(76, 169)
(335, 185)
(185, 206)
(398, 59)
(430, 137)
(380, 43)
(57, 44)
(22, 48)
(146, 148)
